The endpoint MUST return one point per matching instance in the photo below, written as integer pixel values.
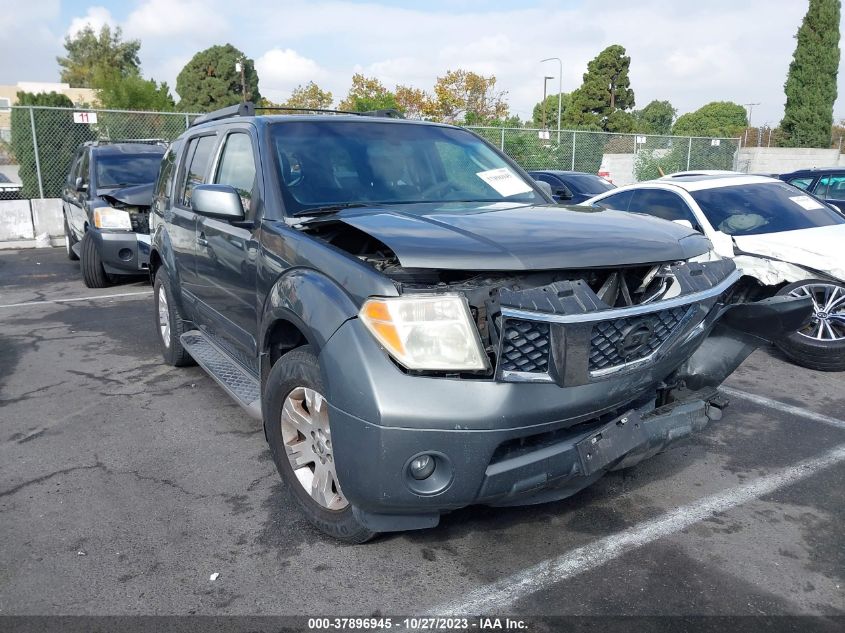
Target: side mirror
(545, 187)
(563, 194)
(80, 185)
(217, 201)
(685, 223)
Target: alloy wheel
(163, 316)
(308, 445)
(828, 320)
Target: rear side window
(164, 184)
(661, 204)
(237, 167)
(617, 202)
(831, 187)
(197, 159)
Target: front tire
(820, 342)
(70, 242)
(93, 273)
(170, 323)
(296, 424)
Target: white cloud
(282, 70)
(96, 17)
(169, 18)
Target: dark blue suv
(826, 183)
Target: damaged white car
(784, 241)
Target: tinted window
(763, 208)
(802, 183)
(328, 162)
(618, 201)
(661, 204)
(832, 187)
(237, 166)
(196, 166)
(124, 170)
(587, 184)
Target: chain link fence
(40, 142)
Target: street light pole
(545, 83)
(559, 89)
(239, 67)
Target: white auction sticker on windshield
(504, 181)
(806, 202)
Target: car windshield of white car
(329, 163)
(763, 208)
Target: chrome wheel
(308, 445)
(163, 316)
(828, 320)
(67, 244)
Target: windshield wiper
(329, 208)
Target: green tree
(414, 103)
(309, 97)
(811, 83)
(656, 118)
(462, 96)
(368, 93)
(88, 51)
(606, 88)
(551, 110)
(132, 92)
(58, 137)
(719, 118)
(211, 80)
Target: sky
(688, 52)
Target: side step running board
(236, 380)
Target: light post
(239, 67)
(559, 89)
(545, 83)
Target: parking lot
(125, 484)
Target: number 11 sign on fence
(85, 117)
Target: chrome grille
(620, 341)
(525, 346)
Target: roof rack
(112, 141)
(250, 109)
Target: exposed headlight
(433, 332)
(108, 218)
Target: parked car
(572, 187)
(417, 324)
(786, 243)
(106, 206)
(9, 190)
(827, 184)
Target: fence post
(35, 149)
(187, 122)
(689, 152)
(502, 142)
(573, 151)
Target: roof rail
(246, 108)
(391, 113)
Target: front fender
(311, 301)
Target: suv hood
(505, 237)
(134, 196)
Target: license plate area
(610, 442)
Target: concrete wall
(781, 160)
(30, 223)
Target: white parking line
(42, 301)
(501, 595)
(783, 407)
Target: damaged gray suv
(421, 328)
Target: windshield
(587, 184)
(763, 208)
(322, 163)
(124, 170)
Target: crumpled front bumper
(122, 252)
(510, 443)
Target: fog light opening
(125, 254)
(422, 467)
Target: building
(9, 97)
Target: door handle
(201, 241)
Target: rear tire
(295, 381)
(828, 353)
(170, 323)
(70, 242)
(93, 273)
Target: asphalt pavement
(125, 484)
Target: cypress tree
(811, 82)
